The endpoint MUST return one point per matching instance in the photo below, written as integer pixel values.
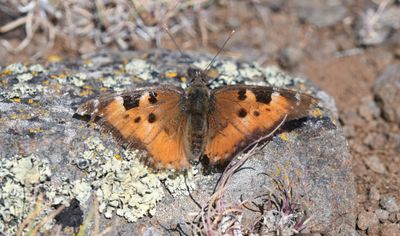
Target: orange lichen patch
(34, 73)
(45, 82)
(103, 89)
(284, 136)
(86, 92)
(35, 130)
(54, 58)
(87, 62)
(118, 157)
(17, 100)
(86, 86)
(171, 74)
(5, 72)
(21, 116)
(317, 113)
(184, 79)
(30, 101)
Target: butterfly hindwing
(242, 114)
(148, 119)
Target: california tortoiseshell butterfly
(177, 126)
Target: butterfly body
(177, 127)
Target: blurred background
(344, 46)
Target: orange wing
(243, 114)
(148, 119)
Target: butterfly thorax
(197, 107)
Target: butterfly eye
(193, 73)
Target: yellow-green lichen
(125, 186)
(139, 68)
(250, 72)
(276, 77)
(37, 68)
(20, 177)
(16, 68)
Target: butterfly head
(197, 77)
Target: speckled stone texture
(38, 103)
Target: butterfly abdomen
(197, 106)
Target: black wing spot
(137, 119)
(242, 94)
(151, 118)
(256, 113)
(242, 113)
(263, 96)
(131, 101)
(153, 97)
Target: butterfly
(179, 126)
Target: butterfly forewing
(148, 119)
(242, 114)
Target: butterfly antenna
(173, 39)
(219, 51)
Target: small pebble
(349, 131)
(375, 164)
(290, 57)
(366, 219)
(382, 214)
(392, 217)
(389, 203)
(373, 230)
(374, 194)
(375, 140)
(390, 230)
(368, 109)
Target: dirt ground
(325, 42)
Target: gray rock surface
(319, 12)
(46, 148)
(387, 91)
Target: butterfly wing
(148, 119)
(243, 114)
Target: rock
(390, 230)
(290, 57)
(366, 219)
(387, 92)
(374, 194)
(382, 214)
(347, 230)
(368, 109)
(376, 26)
(375, 141)
(349, 131)
(389, 203)
(38, 105)
(373, 230)
(392, 217)
(319, 12)
(375, 164)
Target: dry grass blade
(31, 217)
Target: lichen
(139, 68)
(276, 77)
(20, 177)
(16, 68)
(122, 183)
(250, 71)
